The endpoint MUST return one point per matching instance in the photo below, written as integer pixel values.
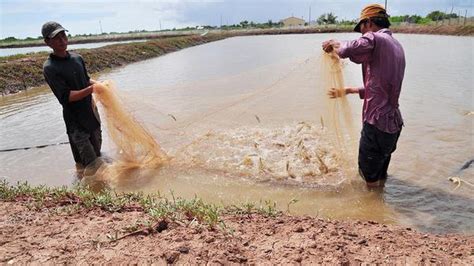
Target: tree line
(324, 19)
(330, 18)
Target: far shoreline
(22, 72)
(451, 30)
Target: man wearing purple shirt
(383, 66)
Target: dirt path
(92, 236)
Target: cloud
(23, 18)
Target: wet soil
(97, 236)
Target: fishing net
(265, 134)
(135, 148)
(338, 114)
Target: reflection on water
(217, 112)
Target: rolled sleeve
(362, 93)
(343, 50)
(358, 51)
(57, 85)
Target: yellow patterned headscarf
(371, 11)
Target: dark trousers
(85, 146)
(375, 150)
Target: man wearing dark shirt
(66, 75)
(383, 67)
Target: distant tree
(331, 18)
(416, 19)
(244, 24)
(398, 19)
(10, 39)
(327, 18)
(270, 23)
(452, 15)
(436, 15)
(347, 22)
(322, 19)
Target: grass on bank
(157, 208)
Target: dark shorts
(85, 146)
(375, 150)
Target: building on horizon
(293, 22)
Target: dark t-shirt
(64, 75)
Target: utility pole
(100, 25)
(445, 12)
(221, 22)
(160, 23)
(465, 17)
(452, 8)
(309, 19)
(385, 5)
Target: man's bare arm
(75, 96)
(336, 93)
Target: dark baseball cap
(51, 28)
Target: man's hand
(98, 88)
(336, 93)
(331, 45)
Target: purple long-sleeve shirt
(383, 66)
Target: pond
(250, 96)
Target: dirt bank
(465, 30)
(25, 71)
(60, 226)
(155, 36)
(99, 38)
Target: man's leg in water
(375, 149)
(87, 151)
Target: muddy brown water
(244, 98)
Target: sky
(23, 18)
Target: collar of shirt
(385, 30)
(55, 57)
